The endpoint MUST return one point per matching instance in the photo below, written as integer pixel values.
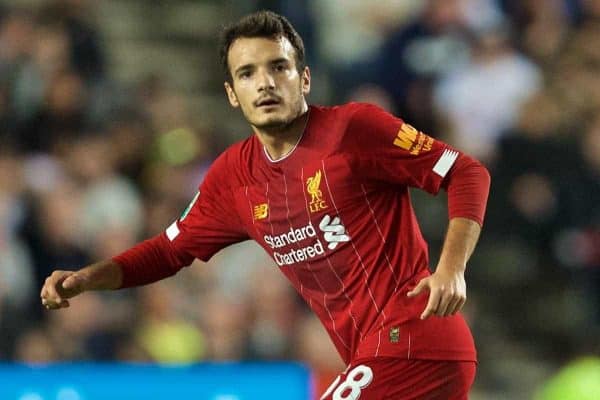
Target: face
(266, 84)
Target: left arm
(468, 187)
(392, 151)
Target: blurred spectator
(85, 331)
(591, 9)
(51, 230)
(579, 380)
(577, 241)
(110, 217)
(374, 94)
(314, 349)
(482, 99)
(351, 32)
(16, 35)
(161, 332)
(85, 53)
(130, 136)
(62, 117)
(413, 57)
(17, 283)
(275, 314)
(532, 160)
(16, 274)
(225, 322)
(47, 56)
(35, 347)
(16, 39)
(542, 26)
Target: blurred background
(111, 111)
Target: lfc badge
(313, 187)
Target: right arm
(144, 263)
(210, 225)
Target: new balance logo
(261, 211)
(334, 231)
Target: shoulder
(366, 117)
(369, 127)
(368, 111)
(229, 166)
(352, 118)
(356, 112)
(347, 110)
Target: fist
(59, 287)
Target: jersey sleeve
(393, 151)
(210, 222)
(390, 150)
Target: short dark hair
(266, 24)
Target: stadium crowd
(90, 164)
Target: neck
(280, 141)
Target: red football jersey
(336, 217)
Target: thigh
(391, 378)
(364, 379)
(434, 380)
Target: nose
(265, 81)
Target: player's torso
(314, 213)
(307, 217)
(292, 206)
(328, 229)
(349, 243)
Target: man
(324, 190)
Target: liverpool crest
(313, 187)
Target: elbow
(486, 177)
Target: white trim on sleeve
(172, 231)
(443, 165)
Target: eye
(280, 67)
(244, 75)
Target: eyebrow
(244, 67)
(279, 61)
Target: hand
(447, 293)
(59, 287)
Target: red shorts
(387, 378)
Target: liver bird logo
(313, 187)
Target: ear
(231, 95)
(305, 81)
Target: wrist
(453, 268)
(105, 275)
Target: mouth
(267, 102)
